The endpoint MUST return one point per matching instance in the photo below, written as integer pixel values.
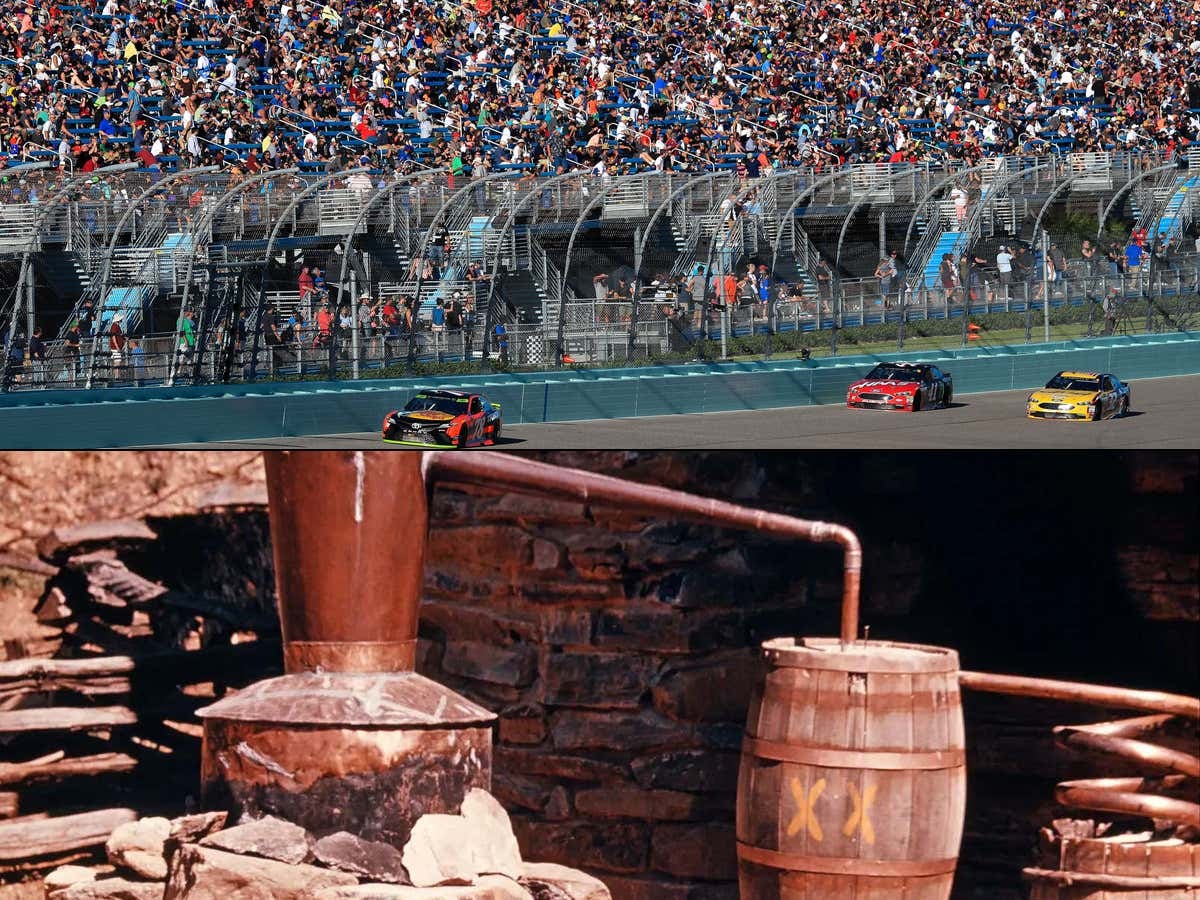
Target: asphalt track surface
(1165, 414)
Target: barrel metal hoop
(897, 760)
(828, 865)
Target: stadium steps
(524, 295)
(1175, 217)
(948, 242)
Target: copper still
(350, 738)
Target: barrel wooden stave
(1082, 857)
(882, 828)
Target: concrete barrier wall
(133, 417)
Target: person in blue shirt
(501, 342)
(1133, 254)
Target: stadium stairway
(1175, 217)
(524, 295)
(948, 242)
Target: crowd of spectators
(611, 86)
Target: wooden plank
(65, 718)
(10, 804)
(58, 768)
(26, 564)
(58, 544)
(25, 840)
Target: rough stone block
(583, 767)
(635, 803)
(522, 725)
(695, 851)
(610, 847)
(268, 837)
(512, 666)
(688, 770)
(668, 630)
(487, 887)
(65, 876)
(138, 846)
(605, 680)
(684, 690)
(645, 730)
(645, 888)
(110, 889)
(368, 859)
(206, 873)
(550, 881)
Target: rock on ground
(110, 889)
(499, 851)
(268, 837)
(370, 859)
(205, 873)
(440, 850)
(489, 887)
(65, 876)
(550, 881)
(189, 829)
(138, 846)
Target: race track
(1166, 414)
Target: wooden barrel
(1120, 867)
(852, 780)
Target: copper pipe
(1118, 795)
(1097, 879)
(577, 484)
(1077, 692)
(1126, 748)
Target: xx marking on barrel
(858, 816)
(805, 814)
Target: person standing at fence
(324, 327)
(14, 361)
(501, 334)
(1088, 253)
(885, 272)
(948, 277)
(600, 285)
(137, 359)
(437, 324)
(1004, 265)
(958, 195)
(37, 356)
(1060, 262)
(116, 348)
(764, 289)
(73, 342)
(305, 285)
(187, 335)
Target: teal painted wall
(130, 417)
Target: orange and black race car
(444, 419)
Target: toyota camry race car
(1083, 396)
(444, 418)
(907, 386)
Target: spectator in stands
(600, 285)
(137, 359)
(437, 323)
(501, 342)
(1088, 254)
(14, 363)
(1004, 267)
(1059, 259)
(1133, 255)
(116, 348)
(324, 330)
(305, 286)
(187, 337)
(37, 355)
(958, 196)
(72, 342)
(1116, 260)
(885, 271)
(948, 278)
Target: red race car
(444, 419)
(905, 386)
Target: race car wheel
(948, 397)
(1125, 407)
(916, 404)
(461, 442)
(496, 433)
(1098, 412)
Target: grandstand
(497, 157)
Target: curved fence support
(106, 263)
(1123, 190)
(941, 184)
(382, 194)
(202, 226)
(579, 220)
(311, 189)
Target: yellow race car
(1084, 396)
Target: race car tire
(496, 433)
(1098, 413)
(916, 403)
(461, 442)
(948, 397)
(1125, 408)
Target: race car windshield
(891, 373)
(1063, 383)
(455, 406)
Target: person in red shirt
(324, 325)
(305, 285)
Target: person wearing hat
(116, 348)
(1004, 265)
